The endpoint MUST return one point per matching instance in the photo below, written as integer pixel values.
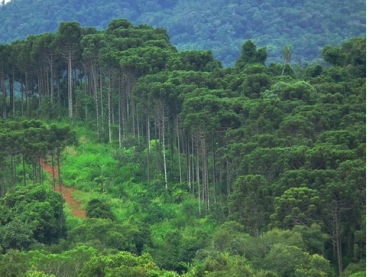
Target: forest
(219, 25)
(184, 167)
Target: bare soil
(73, 204)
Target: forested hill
(219, 25)
(184, 168)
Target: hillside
(217, 25)
(183, 167)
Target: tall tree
(287, 55)
(68, 38)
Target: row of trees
(267, 146)
(24, 144)
(221, 26)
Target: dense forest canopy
(184, 167)
(218, 25)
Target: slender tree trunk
(119, 114)
(51, 79)
(70, 85)
(148, 145)
(337, 238)
(179, 156)
(198, 177)
(95, 87)
(3, 88)
(58, 171)
(101, 101)
(214, 172)
(193, 176)
(41, 179)
(137, 122)
(109, 111)
(34, 172)
(189, 165)
(27, 92)
(228, 178)
(164, 147)
(58, 96)
(205, 171)
(11, 93)
(22, 98)
(53, 170)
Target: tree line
(222, 26)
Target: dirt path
(74, 206)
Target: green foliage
(359, 274)
(121, 264)
(292, 261)
(33, 273)
(355, 269)
(16, 235)
(250, 54)
(107, 234)
(97, 209)
(66, 263)
(296, 206)
(245, 203)
(12, 264)
(224, 264)
(31, 215)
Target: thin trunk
(51, 79)
(163, 148)
(198, 177)
(148, 146)
(214, 172)
(137, 123)
(58, 96)
(58, 171)
(193, 164)
(27, 92)
(11, 93)
(94, 78)
(119, 114)
(109, 111)
(22, 98)
(189, 165)
(205, 172)
(101, 98)
(2, 85)
(70, 85)
(34, 173)
(53, 170)
(337, 238)
(41, 176)
(228, 178)
(179, 157)
(40, 87)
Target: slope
(73, 205)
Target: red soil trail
(65, 191)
